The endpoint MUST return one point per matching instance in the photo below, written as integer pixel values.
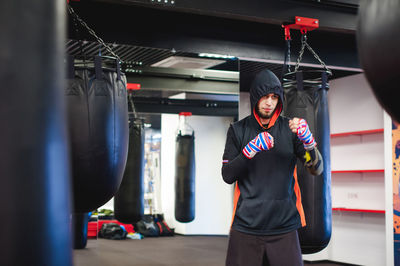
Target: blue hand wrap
(262, 141)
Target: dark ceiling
(142, 32)
(220, 27)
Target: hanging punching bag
(184, 172)
(80, 228)
(129, 200)
(378, 41)
(98, 129)
(308, 100)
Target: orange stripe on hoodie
(299, 206)
(236, 196)
(297, 192)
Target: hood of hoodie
(265, 82)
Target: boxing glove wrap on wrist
(305, 135)
(262, 141)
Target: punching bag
(80, 227)
(378, 41)
(98, 129)
(129, 200)
(184, 173)
(34, 161)
(308, 100)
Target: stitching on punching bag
(121, 87)
(100, 88)
(300, 101)
(73, 88)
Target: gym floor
(161, 251)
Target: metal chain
(288, 56)
(93, 33)
(130, 101)
(319, 59)
(303, 45)
(286, 62)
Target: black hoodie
(267, 197)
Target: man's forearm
(314, 162)
(232, 170)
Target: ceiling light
(217, 56)
(187, 62)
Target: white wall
(244, 105)
(389, 188)
(352, 105)
(109, 205)
(357, 238)
(214, 198)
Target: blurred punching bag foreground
(98, 128)
(34, 161)
(129, 200)
(184, 171)
(308, 99)
(378, 41)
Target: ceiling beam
(173, 81)
(334, 15)
(175, 106)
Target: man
(260, 155)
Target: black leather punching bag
(309, 101)
(184, 178)
(34, 161)
(129, 200)
(378, 41)
(80, 226)
(98, 128)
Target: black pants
(277, 250)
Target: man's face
(266, 105)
